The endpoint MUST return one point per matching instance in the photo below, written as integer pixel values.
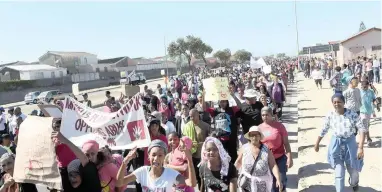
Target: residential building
(74, 62)
(366, 43)
(115, 64)
(144, 64)
(33, 72)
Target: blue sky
(112, 29)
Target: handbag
(244, 182)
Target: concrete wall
(65, 84)
(17, 96)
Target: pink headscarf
(90, 145)
(118, 159)
(187, 142)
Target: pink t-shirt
(162, 138)
(178, 158)
(184, 97)
(108, 177)
(64, 155)
(369, 66)
(273, 137)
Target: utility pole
(298, 46)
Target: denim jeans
(340, 176)
(325, 72)
(376, 74)
(282, 165)
(336, 91)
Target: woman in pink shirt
(276, 139)
(63, 156)
(184, 96)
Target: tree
(242, 56)
(180, 47)
(198, 48)
(280, 55)
(189, 47)
(362, 26)
(223, 56)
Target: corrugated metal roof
(31, 67)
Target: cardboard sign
(162, 72)
(216, 89)
(124, 129)
(36, 157)
(122, 74)
(51, 111)
(76, 89)
(129, 90)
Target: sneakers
(355, 188)
(369, 142)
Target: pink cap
(90, 145)
(187, 142)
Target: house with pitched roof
(75, 62)
(115, 64)
(366, 43)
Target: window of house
(85, 61)
(105, 69)
(61, 74)
(97, 69)
(53, 75)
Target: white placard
(76, 89)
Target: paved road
(314, 172)
(97, 96)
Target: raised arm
(121, 178)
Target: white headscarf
(224, 157)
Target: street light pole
(165, 55)
(298, 46)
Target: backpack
(222, 125)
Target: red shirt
(64, 155)
(211, 111)
(273, 137)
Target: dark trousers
(282, 165)
(65, 179)
(196, 162)
(280, 113)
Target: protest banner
(76, 89)
(257, 64)
(267, 69)
(124, 129)
(51, 111)
(36, 157)
(216, 89)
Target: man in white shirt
(376, 65)
(167, 125)
(2, 121)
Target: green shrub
(17, 85)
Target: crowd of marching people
(239, 144)
(354, 105)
